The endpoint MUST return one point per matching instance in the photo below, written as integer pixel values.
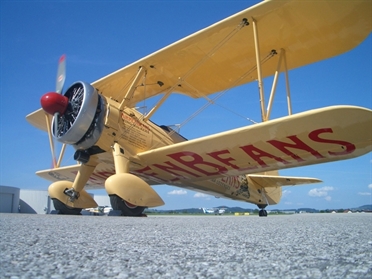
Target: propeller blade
(61, 74)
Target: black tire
(64, 209)
(262, 213)
(126, 208)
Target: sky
(99, 37)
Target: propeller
(61, 74)
(77, 111)
(55, 103)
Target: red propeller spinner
(53, 102)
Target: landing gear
(126, 208)
(262, 213)
(129, 194)
(64, 209)
(72, 194)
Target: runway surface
(291, 246)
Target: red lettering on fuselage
(232, 181)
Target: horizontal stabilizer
(275, 181)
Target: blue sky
(100, 37)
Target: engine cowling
(82, 123)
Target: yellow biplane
(122, 150)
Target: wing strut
(132, 88)
(259, 75)
(273, 88)
(51, 142)
(56, 164)
(61, 155)
(287, 85)
(265, 114)
(152, 111)
(282, 56)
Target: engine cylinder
(82, 123)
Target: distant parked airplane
(215, 211)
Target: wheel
(64, 209)
(262, 213)
(126, 208)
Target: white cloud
(201, 195)
(321, 192)
(370, 186)
(364, 193)
(327, 198)
(285, 193)
(177, 192)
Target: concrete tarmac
(290, 246)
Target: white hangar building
(16, 200)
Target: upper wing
(223, 55)
(312, 137)
(210, 61)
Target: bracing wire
(219, 95)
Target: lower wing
(311, 137)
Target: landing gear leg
(81, 179)
(129, 194)
(70, 197)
